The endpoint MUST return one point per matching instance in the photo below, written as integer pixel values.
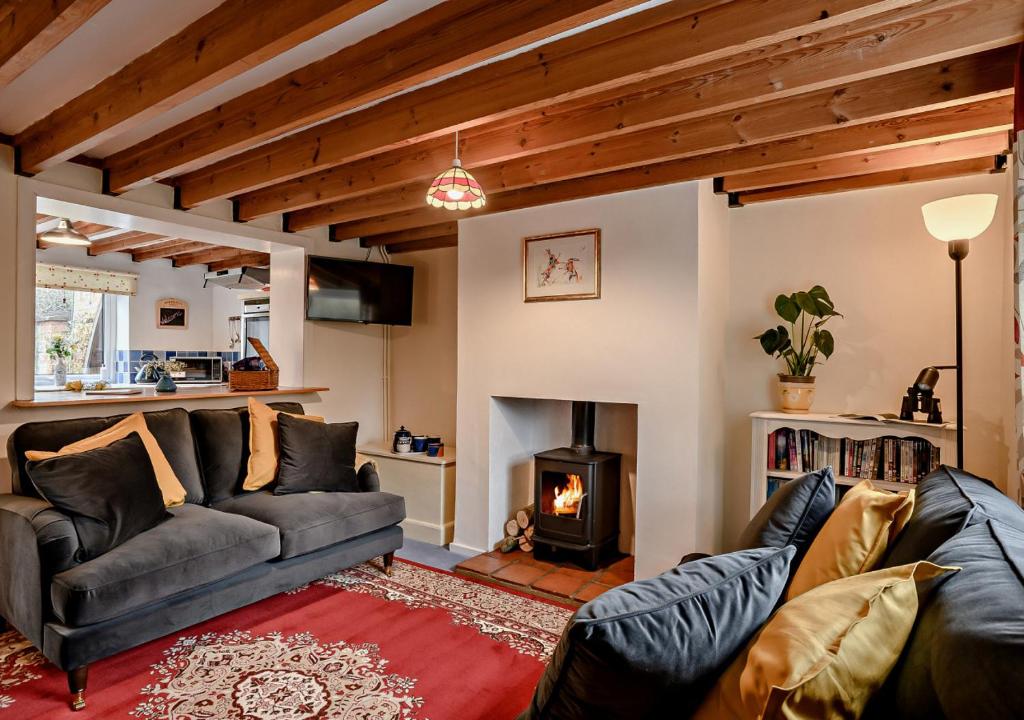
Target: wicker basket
(256, 379)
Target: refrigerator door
(257, 326)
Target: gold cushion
(264, 450)
(170, 487)
(825, 653)
(855, 536)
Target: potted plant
(159, 371)
(58, 351)
(801, 344)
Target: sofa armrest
(690, 557)
(35, 541)
(369, 481)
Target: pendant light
(64, 234)
(456, 189)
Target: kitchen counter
(66, 398)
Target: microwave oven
(199, 370)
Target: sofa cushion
(170, 427)
(110, 493)
(653, 648)
(316, 456)
(310, 521)
(196, 546)
(964, 657)
(949, 500)
(264, 448)
(793, 514)
(222, 440)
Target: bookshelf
(764, 423)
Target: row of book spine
(885, 458)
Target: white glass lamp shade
(64, 234)
(963, 217)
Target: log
(524, 517)
(508, 544)
(525, 545)
(528, 533)
(512, 528)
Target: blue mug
(435, 449)
(419, 443)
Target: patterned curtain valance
(63, 277)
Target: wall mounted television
(355, 291)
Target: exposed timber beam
(446, 38)
(251, 259)
(167, 249)
(228, 40)
(31, 28)
(445, 241)
(204, 256)
(872, 162)
(932, 86)
(938, 171)
(422, 233)
(662, 144)
(658, 41)
(125, 241)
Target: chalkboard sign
(172, 314)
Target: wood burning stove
(576, 496)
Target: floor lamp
(956, 221)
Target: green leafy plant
(801, 346)
(59, 347)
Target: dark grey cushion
(110, 493)
(947, 501)
(793, 514)
(222, 441)
(310, 521)
(653, 648)
(194, 547)
(171, 429)
(316, 456)
(965, 657)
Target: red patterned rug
(422, 644)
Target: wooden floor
(560, 581)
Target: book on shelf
(893, 459)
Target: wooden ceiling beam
(166, 249)
(675, 142)
(443, 39)
(658, 41)
(738, 108)
(937, 171)
(228, 40)
(242, 259)
(31, 28)
(125, 241)
(204, 256)
(422, 233)
(444, 241)
(871, 162)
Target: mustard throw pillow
(855, 536)
(825, 653)
(170, 487)
(264, 451)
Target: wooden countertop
(385, 451)
(64, 398)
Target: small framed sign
(172, 314)
(562, 266)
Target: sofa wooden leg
(389, 561)
(77, 680)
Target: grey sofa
(224, 548)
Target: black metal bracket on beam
(734, 200)
(235, 208)
(286, 222)
(718, 184)
(18, 170)
(1001, 162)
(330, 233)
(177, 199)
(105, 187)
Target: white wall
(635, 345)
(894, 284)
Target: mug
(435, 450)
(419, 443)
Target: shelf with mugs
(893, 455)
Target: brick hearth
(561, 581)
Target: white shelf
(843, 480)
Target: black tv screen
(362, 292)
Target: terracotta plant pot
(796, 393)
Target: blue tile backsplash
(128, 361)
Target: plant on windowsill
(58, 351)
(800, 345)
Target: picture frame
(171, 314)
(562, 266)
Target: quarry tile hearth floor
(559, 580)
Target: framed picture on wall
(562, 266)
(171, 314)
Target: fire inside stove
(567, 499)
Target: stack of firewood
(519, 532)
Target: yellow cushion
(364, 460)
(854, 538)
(263, 446)
(825, 653)
(170, 487)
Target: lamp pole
(958, 250)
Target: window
(86, 321)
